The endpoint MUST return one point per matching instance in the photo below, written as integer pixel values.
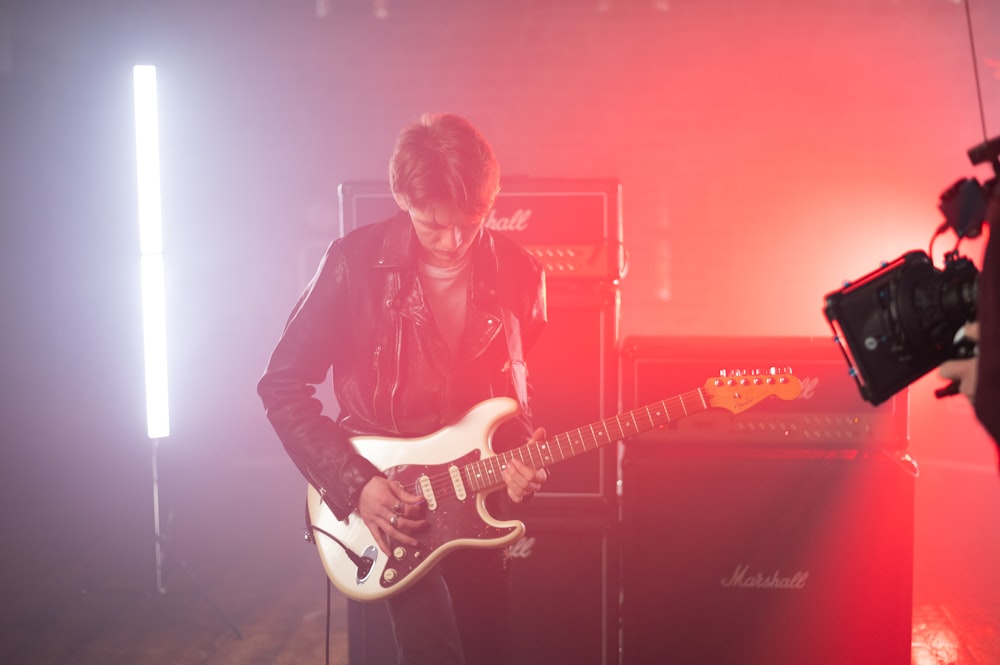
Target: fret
(649, 414)
(566, 448)
(592, 432)
(572, 443)
(618, 424)
(474, 476)
(663, 416)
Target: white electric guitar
(455, 468)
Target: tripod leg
(160, 554)
(208, 599)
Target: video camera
(899, 322)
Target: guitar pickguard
(451, 521)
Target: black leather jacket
(364, 315)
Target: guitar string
(589, 437)
(441, 483)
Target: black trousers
(457, 614)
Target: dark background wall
(767, 152)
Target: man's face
(445, 233)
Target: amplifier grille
(572, 226)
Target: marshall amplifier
(573, 227)
(564, 580)
(828, 413)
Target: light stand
(157, 536)
(154, 306)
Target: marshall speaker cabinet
(566, 600)
(782, 535)
(564, 578)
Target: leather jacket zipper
(395, 377)
(376, 357)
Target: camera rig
(897, 323)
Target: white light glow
(147, 147)
(151, 250)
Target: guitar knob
(389, 574)
(399, 553)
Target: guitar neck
(480, 474)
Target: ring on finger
(398, 508)
(394, 520)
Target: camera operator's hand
(966, 370)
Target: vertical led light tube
(151, 251)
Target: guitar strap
(518, 368)
(512, 331)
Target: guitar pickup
(427, 490)
(456, 481)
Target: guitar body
(453, 521)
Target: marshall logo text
(743, 579)
(518, 221)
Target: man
(419, 318)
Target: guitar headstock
(740, 389)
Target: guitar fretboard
(486, 474)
